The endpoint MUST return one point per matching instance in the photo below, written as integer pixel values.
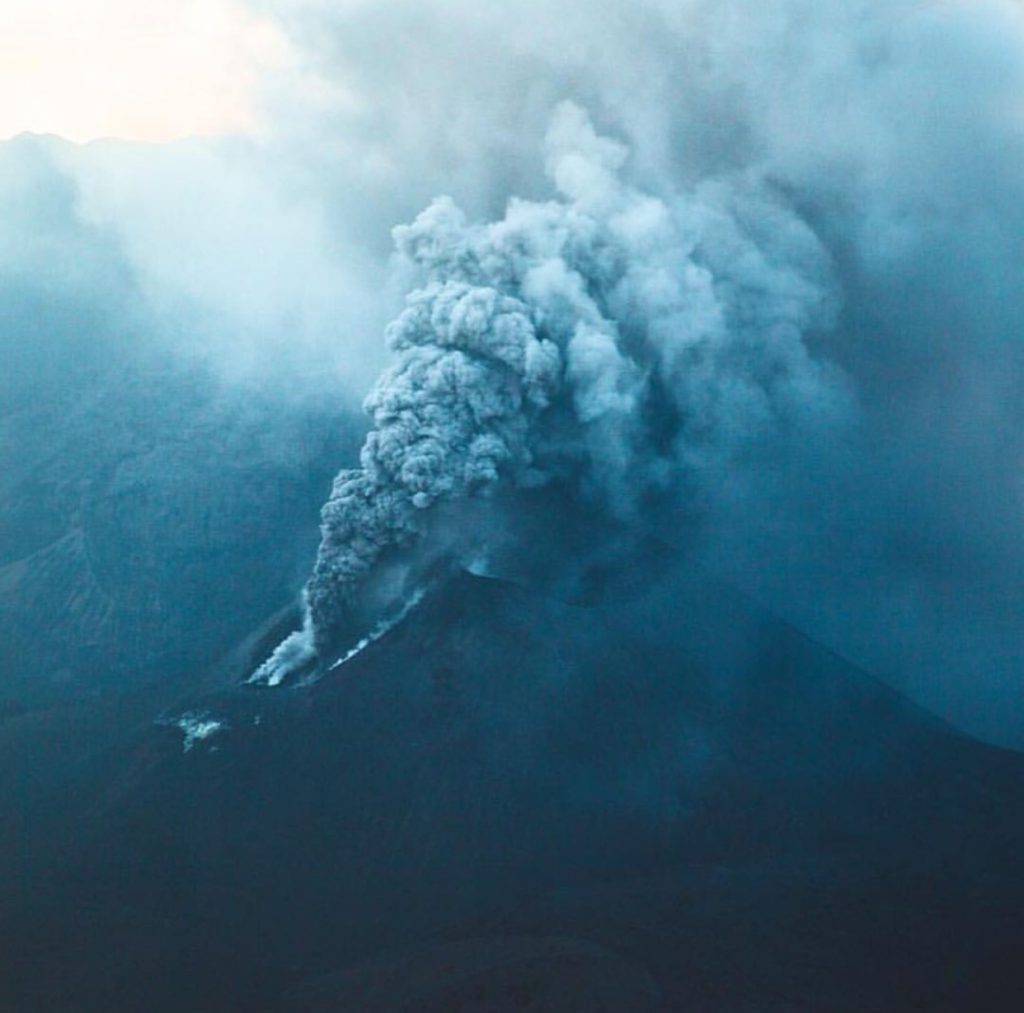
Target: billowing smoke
(894, 127)
(633, 346)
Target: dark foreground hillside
(662, 801)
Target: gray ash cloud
(634, 346)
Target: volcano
(658, 797)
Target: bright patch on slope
(383, 627)
(197, 728)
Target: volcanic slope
(662, 799)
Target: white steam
(196, 728)
(294, 654)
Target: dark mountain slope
(664, 801)
(128, 516)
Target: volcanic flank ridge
(659, 798)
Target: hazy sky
(143, 69)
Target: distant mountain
(664, 799)
(148, 522)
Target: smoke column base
(292, 656)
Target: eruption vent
(627, 346)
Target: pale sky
(149, 70)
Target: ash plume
(629, 345)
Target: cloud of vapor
(65, 293)
(208, 249)
(236, 270)
(634, 347)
